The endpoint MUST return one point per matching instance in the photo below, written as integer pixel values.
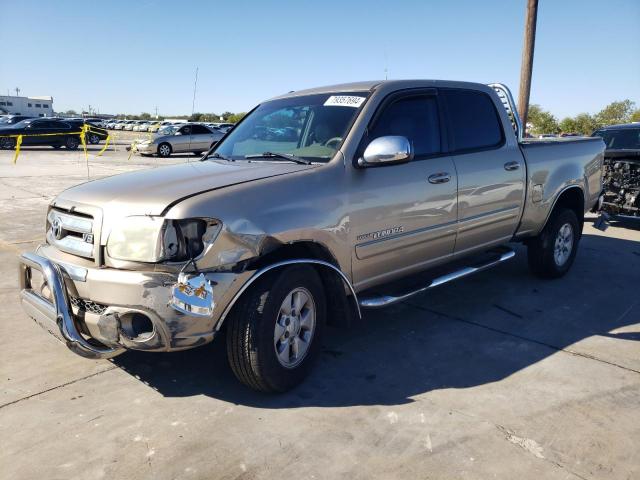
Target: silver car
(191, 137)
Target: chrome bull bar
(55, 316)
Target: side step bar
(386, 300)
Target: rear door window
(199, 129)
(473, 120)
(414, 117)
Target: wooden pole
(527, 60)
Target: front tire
(552, 253)
(94, 139)
(275, 330)
(164, 150)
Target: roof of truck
(370, 85)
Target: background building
(33, 106)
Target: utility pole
(527, 60)
(17, 92)
(156, 107)
(195, 84)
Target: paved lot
(501, 375)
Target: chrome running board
(386, 300)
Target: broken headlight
(154, 239)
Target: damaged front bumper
(100, 312)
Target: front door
(404, 215)
(491, 170)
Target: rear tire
(164, 150)
(93, 139)
(552, 253)
(271, 347)
(71, 143)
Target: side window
(415, 118)
(473, 120)
(38, 125)
(198, 129)
(186, 130)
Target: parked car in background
(154, 126)
(38, 132)
(621, 169)
(129, 125)
(122, 124)
(191, 137)
(112, 123)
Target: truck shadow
(477, 331)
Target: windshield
(168, 130)
(310, 127)
(622, 139)
(22, 124)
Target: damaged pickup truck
(319, 203)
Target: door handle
(442, 177)
(509, 166)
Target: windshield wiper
(221, 157)
(284, 156)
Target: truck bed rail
(510, 106)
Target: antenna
(386, 65)
(195, 84)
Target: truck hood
(152, 192)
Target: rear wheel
(164, 150)
(93, 139)
(275, 330)
(552, 253)
(71, 143)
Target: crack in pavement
(13, 402)
(521, 337)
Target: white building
(32, 106)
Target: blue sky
(125, 56)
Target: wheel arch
(571, 197)
(336, 284)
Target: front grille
(88, 305)
(71, 232)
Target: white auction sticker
(344, 101)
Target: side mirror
(386, 150)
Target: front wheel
(94, 139)
(552, 253)
(275, 329)
(164, 150)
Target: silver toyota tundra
(301, 216)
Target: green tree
(541, 121)
(145, 116)
(196, 117)
(635, 116)
(226, 115)
(70, 112)
(615, 112)
(236, 117)
(582, 123)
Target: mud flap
(602, 222)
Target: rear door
(403, 216)
(491, 170)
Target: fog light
(193, 295)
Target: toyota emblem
(56, 228)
